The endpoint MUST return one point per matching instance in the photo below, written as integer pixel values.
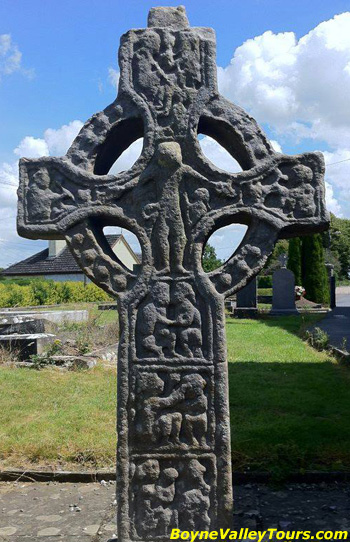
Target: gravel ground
(49, 512)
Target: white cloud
(290, 83)
(218, 155)
(276, 146)
(11, 58)
(338, 179)
(55, 143)
(113, 77)
(59, 141)
(31, 147)
(128, 157)
(227, 239)
(300, 89)
(332, 204)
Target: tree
(210, 261)
(272, 262)
(294, 259)
(314, 271)
(340, 246)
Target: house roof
(41, 264)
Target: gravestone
(332, 285)
(247, 300)
(173, 458)
(283, 290)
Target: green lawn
(51, 417)
(289, 406)
(289, 403)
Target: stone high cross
(173, 459)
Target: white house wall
(124, 254)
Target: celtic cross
(173, 459)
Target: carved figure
(178, 417)
(156, 337)
(195, 502)
(188, 321)
(171, 312)
(154, 490)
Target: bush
(318, 338)
(315, 277)
(14, 295)
(40, 291)
(265, 282)
(48, 292)
(294, 259)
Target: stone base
(55, 316)
(26, 345)
(246, 312)
(284, 312)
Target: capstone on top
(168, 17)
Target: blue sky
(58, 63)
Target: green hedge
(265, 281)
(48, 292)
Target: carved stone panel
(172, 407)
(169, 493)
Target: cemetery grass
(289, 407)
(289, 403)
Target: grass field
(289, 406)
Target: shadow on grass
(289, 416)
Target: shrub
(265, 282)
(48, 292)
(294, 259)
(40, 291)
(14, 295)
(318, 338)
(315, 277)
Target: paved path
(53, 512)
(343, 296)
(337, 322)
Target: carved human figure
(187, 320)
(37, 202)
(183, 413)
(165, 217)
(148, 387)
(198, 207)
(194, 408)
(195, 501)
(178, 417)
(154, 491)
(155, 335)
(155, 420)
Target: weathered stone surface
(283, 292)
(25, 346)
(173, 466)
(26, 326)
(54, 316)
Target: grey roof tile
(41, 264)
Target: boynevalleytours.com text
(257, 536)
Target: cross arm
(281, 197)
(58, 200)
(54, 195)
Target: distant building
(57, 263)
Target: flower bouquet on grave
(299, 292)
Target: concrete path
(337, 322)
(53, 512)
(343, 296)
